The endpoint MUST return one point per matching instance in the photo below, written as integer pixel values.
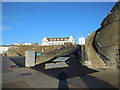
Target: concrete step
(96, 60)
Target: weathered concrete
(107, 37)
(92, 55)
(30, 59)
(108, 42)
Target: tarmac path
(15, 75)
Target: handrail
(99, 51)
(96, 45)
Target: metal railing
(105, 59)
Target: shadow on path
(93, 82)
(19, 61)
(62, 81)
(75, 69)
(62, 74)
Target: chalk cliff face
(106, 40)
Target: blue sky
(31, 21)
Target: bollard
(30, 59)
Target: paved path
(74, 76)
(17, 77)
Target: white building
(4, 50)
(16, 44)
(58, 41)
(27, 44)
(23, 44)
(81, 41)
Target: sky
(30, 22)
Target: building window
(61, 41)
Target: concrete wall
(107, 38)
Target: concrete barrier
(30, 59)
